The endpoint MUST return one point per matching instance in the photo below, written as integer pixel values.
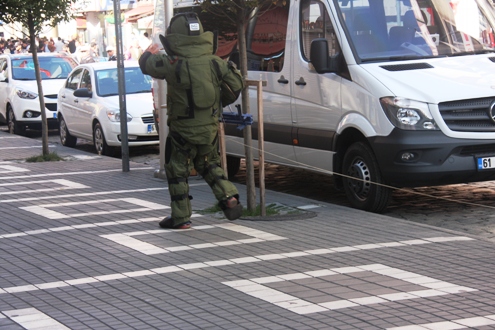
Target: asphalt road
(468, 208)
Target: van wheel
(12, 124)
(360, 163)
(233, 166)
(102, 148)
(65, 137)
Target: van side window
(315, 23)
(266, 41)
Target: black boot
(168, 223)
(231, 207)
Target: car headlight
(408, 114)
(115, 116)
(25, 94)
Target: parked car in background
(19, 102)
(88, 107)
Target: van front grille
(476, 115)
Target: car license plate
(151, 128)
(55, 115)
(486, 163)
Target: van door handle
(282, 80)
(301, 82)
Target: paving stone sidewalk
(81, 249)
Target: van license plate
(486, 163)
(151, 128)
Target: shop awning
(145, 22)
(139, 12)
(81, 22)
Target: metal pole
(160, 95)
(121, 77)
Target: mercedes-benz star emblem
(491, 112)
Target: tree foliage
(42, 13)
(34, 16)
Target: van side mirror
(83, 92)
(319, 57)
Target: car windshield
(411, 29)
(135, 82)
(50, 68)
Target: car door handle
(301, 82)
(62, 96)
(76, 101)
(282, 80)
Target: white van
(395, 93)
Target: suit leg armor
(207, 163)
(178, 166)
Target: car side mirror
(320, 59)
(3, 78)
(83, 92)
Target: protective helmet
(185, 23)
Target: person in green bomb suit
(199, 84)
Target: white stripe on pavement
(31, 319)
(212, 263)
(470, 322)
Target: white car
(19, 102)
(88, 107)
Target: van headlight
(408, 114)
(23, 94)
(115, 116)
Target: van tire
(233, 166)
(360, 162)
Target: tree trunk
(250, 180)
(34, 51)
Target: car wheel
(233, 166)
(362, 179)
(65, 137)
(102, 148)
(12, 124)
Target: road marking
(432, 287)
(66, 184)
(211, 263)
(45, 209)
(127, 240)
(10, 168)
(31, 319)
(96, 193)
(85, 225)
(69, 173)
(470, 322)
(27, 147)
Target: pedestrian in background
(111, 53)
(193, 76)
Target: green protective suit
(194, 76)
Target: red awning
(139, 12)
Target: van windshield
(403, 29)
